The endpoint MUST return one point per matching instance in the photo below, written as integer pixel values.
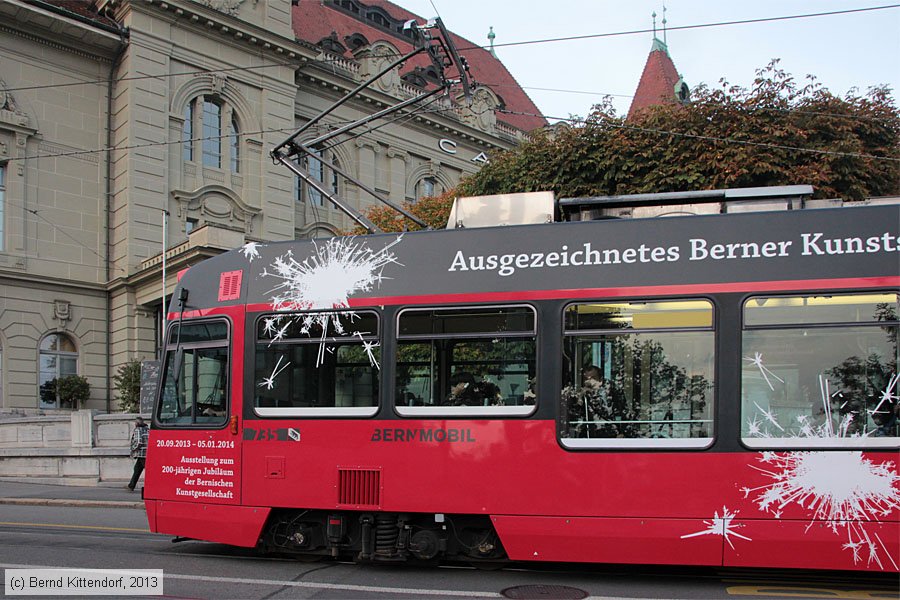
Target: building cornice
(55, 30)
(200, 15)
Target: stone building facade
(129, 126)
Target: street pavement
(37, 494)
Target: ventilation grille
(359, 488)
(230, 285)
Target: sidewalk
(14, 491)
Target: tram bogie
(382, 537)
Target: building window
(317, 364)
(212, 134)
(318, 167)
(820, 371)
(638, 374)
(219, 142)
(187, 133)
(477, 362)
(426, 188)
(195, 379)
(58, 358)
(235, 143)
(2, 207)
(190, 224)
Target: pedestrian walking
(138, 449)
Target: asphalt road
(33, 536)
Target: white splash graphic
(315, 287)
(337, 269)
(841, 488)
(250, 250)
(844, 489)
(757, 362)
(889, 395)
(269, 382)
(369, 347)
(721, 526)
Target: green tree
(778, 132)
(127, 382)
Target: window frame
(313, 411)
(524, 410)
(3, 172)
(642, 443)
(326, 175)
(187, 132)
(798, 442)
(174, 345)
(234, 144)
(59, 355)
(211, 133)
(421, 191)
(225, 141)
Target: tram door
(194, 444)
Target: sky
(843, 51)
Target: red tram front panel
(194, 467)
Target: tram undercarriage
(383, 537)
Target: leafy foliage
(71, 390)
(127, 382)
(434, 210)
(778, 132)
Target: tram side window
(317, 364)
(195, 381)
(820, 371)
(638, 374)
(477, 361)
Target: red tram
(705, 390)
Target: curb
(70, 502)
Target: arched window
(426, 187)
(219, 142)
(187, 133)
(212, 134)
(2, 200)
(58, 358)
(319, 167)
(235, 143)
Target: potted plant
(72, 390)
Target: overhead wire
(794, 111)
(568, 38)
(477, 47)
(438, 111)
(696, 26)
(422, 110)
(105, 82)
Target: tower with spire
(660, 82)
